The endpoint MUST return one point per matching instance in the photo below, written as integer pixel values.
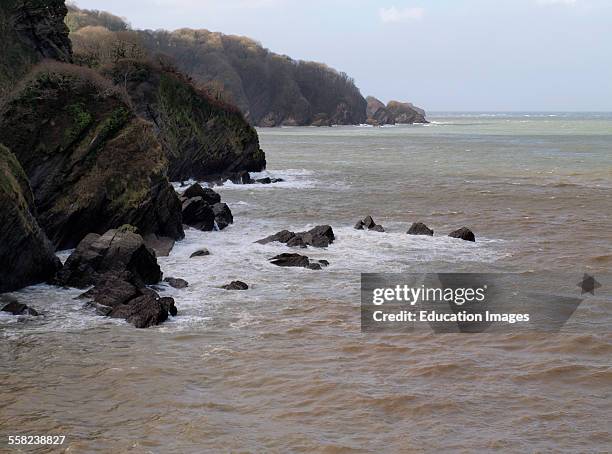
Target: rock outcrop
(394, 112)
(297, 260)
(368, 223)
(464, 234)
(92, 164)
(201, 137)
(319, 236)
(235, 285)
(418, 228)
(13, 306)
(119, 253)
(29, 32)
(26, 255)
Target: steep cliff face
(92, 164)
(26, 255)
(200, 136)
(30, 30)
(270, 89)
(394, 112)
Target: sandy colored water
(284, 367)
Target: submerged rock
(319, 236)
(116, 252)
(200, 253)
(235, 285)
(297, 260)
(12, 306)
(464, 234)
(145, 311)
(176, 282)
(26, 254)
(418, 228)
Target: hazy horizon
(443, 56)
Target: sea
(284, 366)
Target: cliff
(30, 30)
(26, 255)
(394, 112)
(270, 89)
(92, 164)
(200, 135)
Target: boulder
(116, 252)
(176, 282)
(93, 165)
(26, 254)
(266, 180)
(463, 233)
(223, 215)
(12, 306)
(288, 259)
(235, 285)
(200, 253)
(144, 311)
(368, 223)
(208, 195)
(323, 262)
(418, 228)
(198, 214)
(319, 236)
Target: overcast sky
(440, 54)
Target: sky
(442, 55)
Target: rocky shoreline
(86, 159)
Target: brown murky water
(284, 367)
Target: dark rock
(208, 195)
(168, 304)
(282, 237)
(200, 253)
(26, 255)
(319, 236)
(463, 233)
(198, 214)
(297, 241)
(162, 245)
(235, 285)
(418, 228)
(368, 222)
(266, 180)
(287, 259)
(11, 305)
(240, 178)
(277, 180)
(111, 291)
(176, 282)
(324, 262)
(144, 311)
(223, 215)
(115, 252)
(314, 266)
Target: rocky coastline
(86, 159)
